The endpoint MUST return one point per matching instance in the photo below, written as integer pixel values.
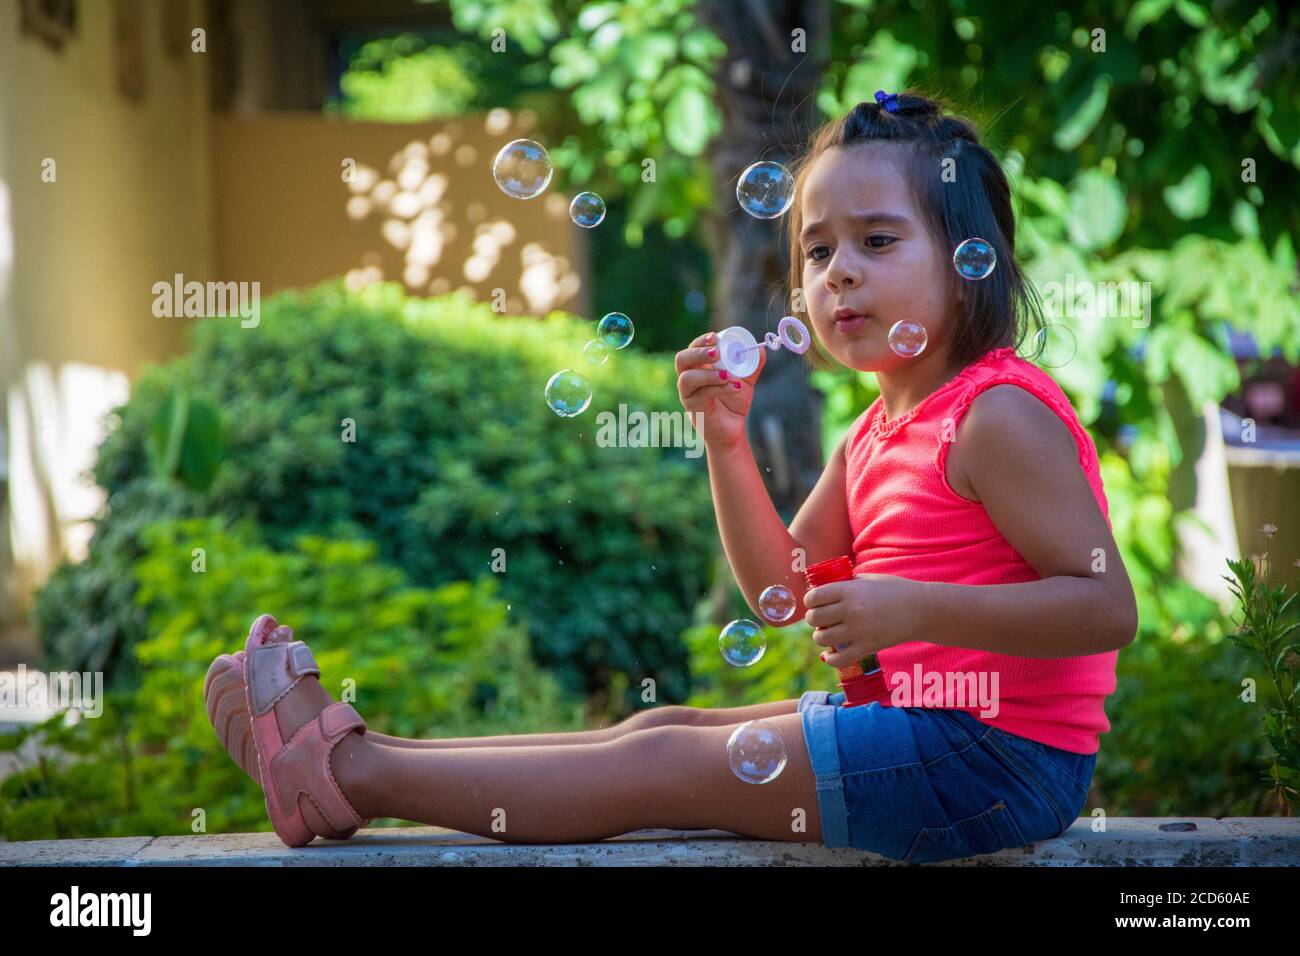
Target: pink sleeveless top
(908, 522)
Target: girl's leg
(668, 715)
(674, 776)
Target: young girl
(969, 499)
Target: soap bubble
(522, 169)
(595, 352)
(907, 338)
(587, 210)
(777, 603)
(742, 642)
(765, 190)
(756, 752)
(1052, 346)
(568, 393)
(615, 330)
(974, 259)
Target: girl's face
(865, 248)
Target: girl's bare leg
(674, 776)
(668, 715)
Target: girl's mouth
(850, 325)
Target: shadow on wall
(302, 197)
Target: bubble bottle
(738, 349)
(864, 681)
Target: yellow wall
(148, 189)
(131, 205)
(421, 208)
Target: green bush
(789, 666)
(1269, 618)
(447, 662)
(1182, 742)
(85, 613)
(455, 454)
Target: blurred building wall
(300, 198)
(149, 182)
(119, 104)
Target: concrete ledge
(1128, 841)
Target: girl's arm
(759, 548)
(1014, 455)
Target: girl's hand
(868, 613)
(723, 400)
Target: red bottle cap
(824, 572)
(865, 681)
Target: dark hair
(997, 310)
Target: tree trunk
(766, 94)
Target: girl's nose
(842, 273)
(845, 278)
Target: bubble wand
(738, 349)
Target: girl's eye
(871, 241)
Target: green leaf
(1143, 13)
(167, 431)
(885, 64)
(646, 56)
(890, 61)
(1049, 195)
(1193, 14)
(573, 63)
(1085, 118)
(687, 121)
(1097, 210)
(1284, 256)
(1245, 220)
(606, 38)
(1280, 128)
(594, 14)
(1215, 55)
(1190, 199)
(186, 440)
(1206, 371)
(203, 446)
(600, 100)
(703, 47)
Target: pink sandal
(227, 704)
(299, 767)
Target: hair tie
(888, 100)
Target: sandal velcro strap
(339, 718)
(302, 768)
(301, 662)
(275, 670)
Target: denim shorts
(924, 784)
